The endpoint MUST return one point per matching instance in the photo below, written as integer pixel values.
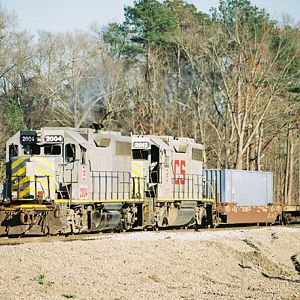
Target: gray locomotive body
(71, 180)
(66, 180)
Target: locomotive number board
(141, 145)
(54, 139)
(27, 137)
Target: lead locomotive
(72, 180)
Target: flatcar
(241, 196)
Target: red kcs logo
(179, 171)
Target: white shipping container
(245, 188)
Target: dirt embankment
(254, 264)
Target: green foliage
(14, 116)
(186, 14)
(231, 11)
(286, 39)
(241, 13)
(148, 22)
(41, 279)
(295, 89)
(118, 38)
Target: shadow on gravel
(280, 278)
(244, 266)
(296, 263)
(274, 236)
(250, 244)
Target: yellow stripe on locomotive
(32, 177)
(138, 181)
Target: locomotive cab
(146, 162)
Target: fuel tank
(104, 220)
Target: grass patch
(69, 296)
(154, 277)
(41, 279)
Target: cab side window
(70, 152)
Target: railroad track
(91, 236)
(46, 239)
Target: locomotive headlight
(48, 200)
(6, 200)
(14, 195)
(39, 137)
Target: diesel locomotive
(72, 180)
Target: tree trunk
(286, 176)
(259, 145)
(298, 173)
(291, 171)
(239, 154)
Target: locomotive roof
(165, 140)
(82, 130)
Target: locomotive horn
(96, 126)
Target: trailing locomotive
(72, 180)
(172, 169)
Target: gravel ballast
(259, 263)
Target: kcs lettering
(179, 169)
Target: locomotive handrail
(140, 183)
(108, 185)
(10, 183)
(191, 188)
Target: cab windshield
(34, 149)
(140, 154)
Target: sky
(70, 15)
